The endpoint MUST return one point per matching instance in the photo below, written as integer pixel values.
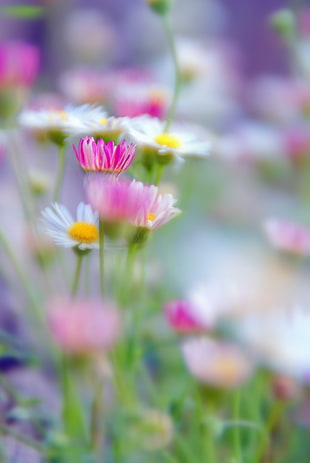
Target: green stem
(101, 258)
(273, 419)
(88, 275)
(128, 274)
(97, 422)
(76, 279)
(60, 172)
(21, 438)
(177, 74)
(159, 174)
(72, 413)
(236, 431)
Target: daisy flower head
(104, 157)
(141, 208)
(137, 98)
(84, 327)
(182, 317)
(109, 128)
(19, 64)
(82, 233)
(58, 124)
(182, 141)
(216, 363)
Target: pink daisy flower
(133, 203)
(216, 363)
(82, 327)
(19, 64)
(104, 157)
(182, 317)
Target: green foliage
(22, 11)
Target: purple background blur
(244, 22)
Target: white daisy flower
(65, 231)
(181, 141)
(102, 127)
(67, 121)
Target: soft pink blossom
(288, 236)
(139, 205)
(182, 317)
(81, 326)
(19, 64)
(296, 142)
(104, 157)
(216, 363)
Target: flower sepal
(81, 252)
(57, 137)
(139, 236)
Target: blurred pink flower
(139, 205)
(216, 363)
(182, 317)
(296, 143)
(139, 99)
(104, 157)
(288, 236)
(19, 64)
(81, 326)
(85, 85)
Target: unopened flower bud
(283, 22)
(285, 388)
(160, 6)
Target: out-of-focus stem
(101, 258)
(21, 438)
(97, 422)
(177, 74)
(60, 171)
(236, 437)
(76, 279)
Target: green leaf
(22, 11)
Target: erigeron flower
(132, 203)
(104, 157)
(59, 124)
(82, 326)
(85, 85)
(81, 233)
(216, 363)
(288, 236)
(19, 64)
(137, 98)
(181, 141)
(105, 127)
(183, 317)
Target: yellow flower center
(151, 216)
(103, 120)
(225, 369)
(168, 140)
(62, 114)
(84, 232)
